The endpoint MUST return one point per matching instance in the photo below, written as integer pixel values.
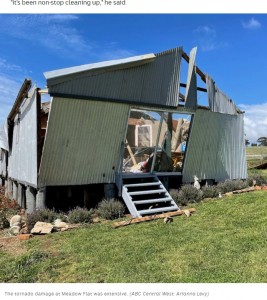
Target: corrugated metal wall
(156, 82)
(83, 142)
(218, 101)
(216, 147)
(3, 136)
(3, 165)
(23, 155)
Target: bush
(4, 223)
(110, 209)
(80, 215)
(5, 215)
(45, 215)
(209, 191)
(174, 194)
(260, 180)
(188, 194)
(231, 185)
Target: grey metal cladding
(218, 101)
(22, 163)
(191, 84)
(3, 136)
(82, 143)
(3, 162)
(156, 82)
(216, 147)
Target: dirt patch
(11, 244)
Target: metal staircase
(146, 195)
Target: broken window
(155, 141)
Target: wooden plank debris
(250, 189)
(154, 217)
(131, 153)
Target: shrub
(45, 215)
(209, 191)
(174, 194)
(80, 215)
(231, 185)
(110, 209)
(260, 180)
(4, 223)
(188, 194)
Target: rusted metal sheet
(83, 141)
(216, 147)
(154, 82)
(22, 160)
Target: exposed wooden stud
(198, 88)
(199, 72)
(131, 153)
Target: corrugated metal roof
(22, 163)
(216, 147)
(191, 84)
(156, 82)
(83, 141)
(100, 66)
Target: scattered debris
(250, 189)
(187, 212)
(15, 225)
(42, 228)
(24, 236)
(168, 220)
(60, 226)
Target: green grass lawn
(225, 240)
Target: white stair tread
(153, 201)
(142, 184)
(147, 192)
(157, 210)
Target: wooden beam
(131, 153)
(199, 72)
(198, 88)
(154, 217)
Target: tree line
(262, 141)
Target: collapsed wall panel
(22, 165)
(83, 142)
(216, 147)
(191, 83)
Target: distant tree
(262, 141)
(247, 142)
(254, 145)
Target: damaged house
(126, 127)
